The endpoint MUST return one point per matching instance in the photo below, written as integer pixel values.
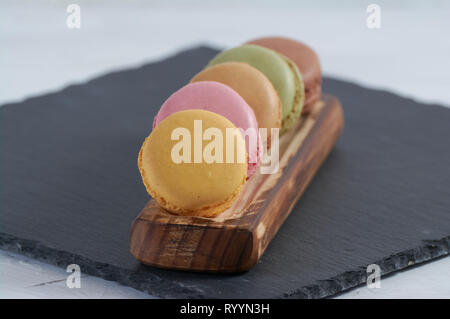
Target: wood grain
(235, 240)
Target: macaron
(182, 183)
(281, 71)
(221, 99)
(306, 60)
(253, 86)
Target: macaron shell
(252, 85)
(299, 98)
(197, 189)
(276, 69)
(221, 99)
(306, 60)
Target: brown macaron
(252, 85)
(306, 60)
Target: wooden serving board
(235, 240)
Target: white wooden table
(39, 53)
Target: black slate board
(71, 188)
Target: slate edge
(156, 286)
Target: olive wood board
(234, 240)
(71, 188)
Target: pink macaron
(221, 99)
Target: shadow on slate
(71, 188)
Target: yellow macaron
(181, 167)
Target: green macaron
(282, 72)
